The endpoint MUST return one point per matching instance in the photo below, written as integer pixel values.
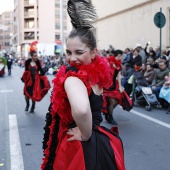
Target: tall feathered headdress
(82, 13)
(33, 46)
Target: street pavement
(145, 134)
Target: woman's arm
(119, 78)
(80, 106)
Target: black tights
(112, 103)
(28, 102)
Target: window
(57, 14)
(7, 43)
(29, 35)
(29, 24)
(7, 37)
(65, 26)
(7, 16)
(57, 25)
(57, 5)
(57, 36)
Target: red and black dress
(36, 85)
(104, 150)
(112, 91)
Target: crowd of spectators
(153, 65)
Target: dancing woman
(112, 96)
(74, 139)
(36, 83)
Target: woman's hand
(75, 134)
(121, 89)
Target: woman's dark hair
(153, 52)
(85, 35)
(117, 52)
(151, 65)
(32, 53)
(136, 49)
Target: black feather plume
(82, 13)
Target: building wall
(47, 21)
(6, 22)
(128, 22)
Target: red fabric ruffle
(117, 148)
(74, 159)
(38, 92)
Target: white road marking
(15, 146)
(150, 118)
(6, 91)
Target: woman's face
(148, 67)
(34, 57)
(135, 52)
(77, 53)
(151, 54)
(120, 56)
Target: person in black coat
(136, 58)
(9, 64)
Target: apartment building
(36, 20)
(125, 23)
(6, 29)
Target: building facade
(125, 23)
(36, 20)
(6, 29)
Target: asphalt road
(145, 135)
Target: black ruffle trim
(49, 164)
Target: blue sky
(6, 5)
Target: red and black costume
(36, 85)
(104, 150)
(112, 91)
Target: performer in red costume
(112, 96)
(74, 139)
(36, 83)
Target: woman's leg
(168, 111)
(27, 103)
(32, 107)
(111, 105)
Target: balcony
(29, 3)
(30, 14)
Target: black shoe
(110, 119)
(168, 112)
(27, 107)
(113, 122)
(32, 110)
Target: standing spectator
(150, 49)
(127, 56)
(168, 54)
(142, 53)
(9, 64)
(136, 58)
(158, 53)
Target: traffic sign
(159, 19)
